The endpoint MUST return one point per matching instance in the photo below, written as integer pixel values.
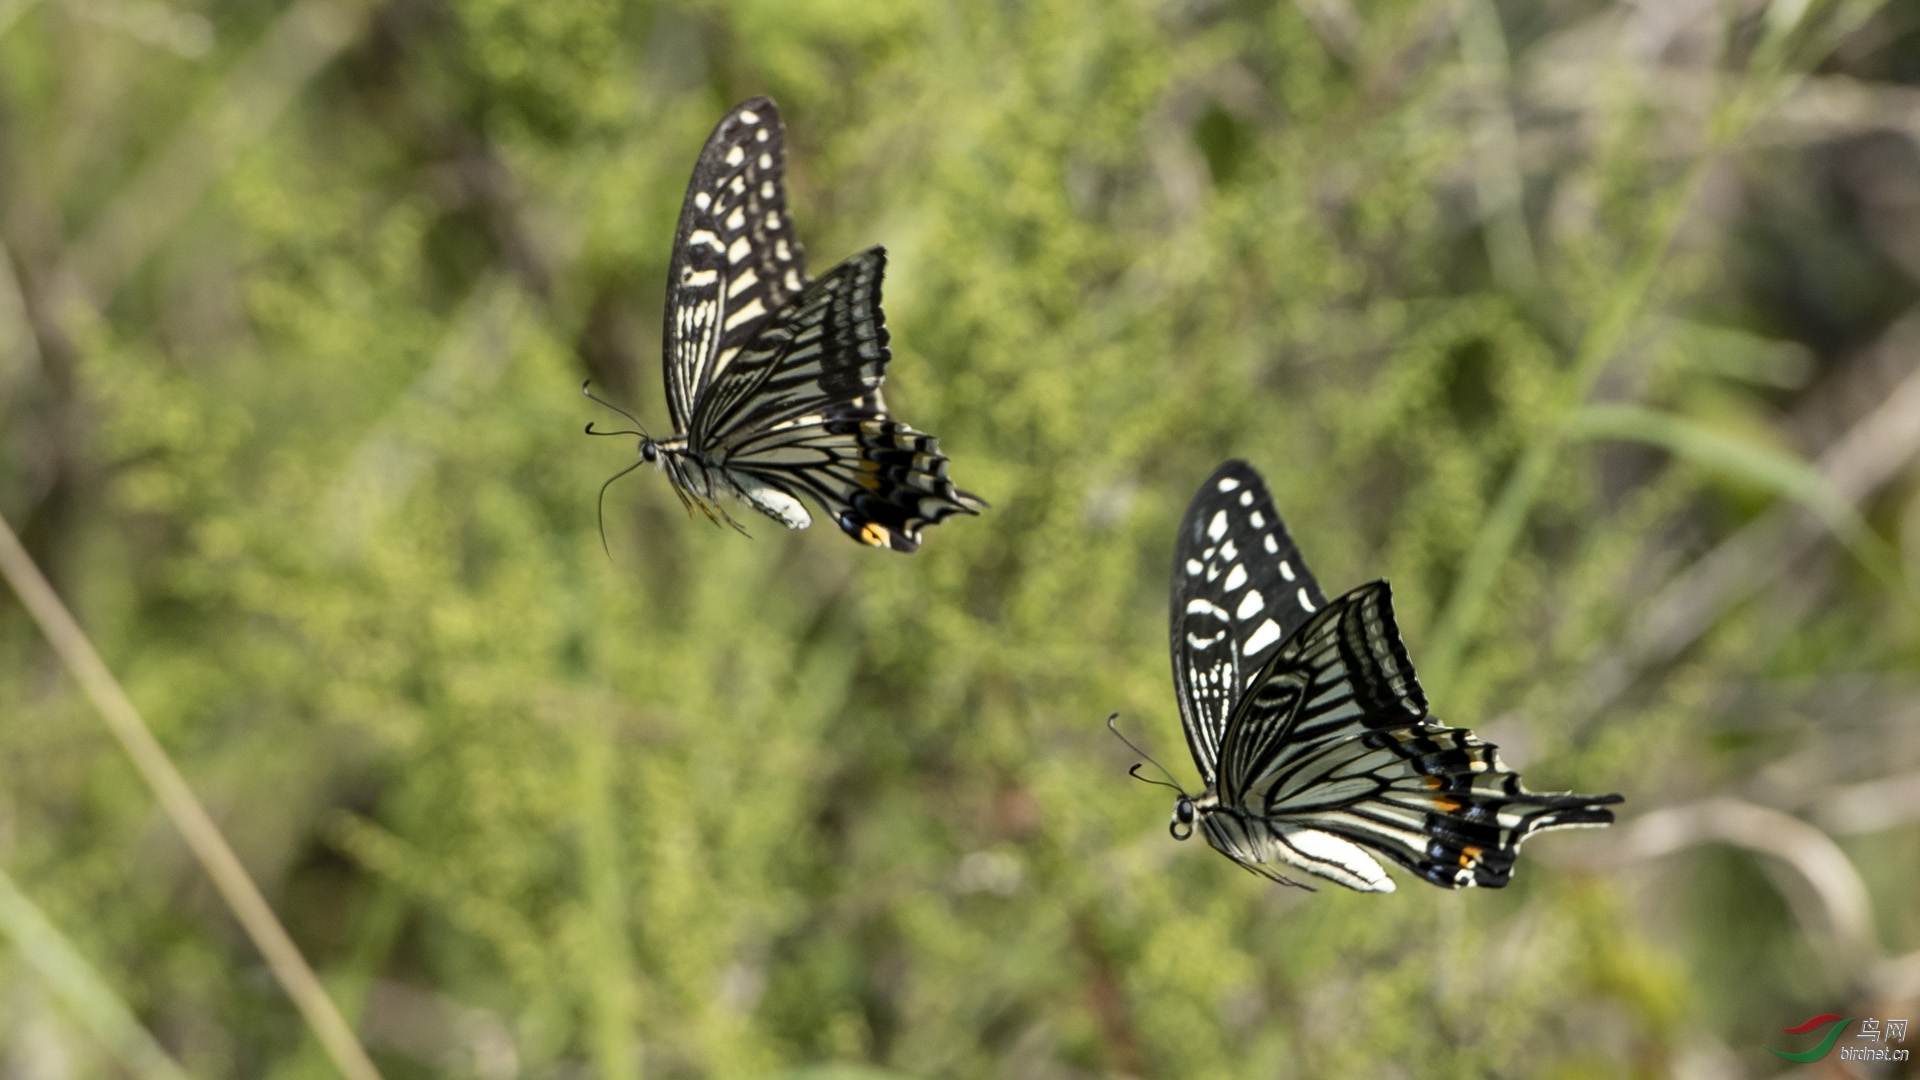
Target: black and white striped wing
(1240, 588)
(736, 259)
(1332, 755)
(800, 411)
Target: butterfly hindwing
(1240, 588)
(736, 259)
(1434, 799)
(881, 480)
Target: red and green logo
(1826, 1044)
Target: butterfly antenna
(1135, 771)
(590, 431)
(587, 389)
(600, 504)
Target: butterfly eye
(648, 452)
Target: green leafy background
(1536, 309)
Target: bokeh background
(1591, 325)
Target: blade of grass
(1501, 528)
(51, 955)
(1781, 473)
(10, 13)
(242, 896)
(299, 44)
(610, 999)
(1767, 81)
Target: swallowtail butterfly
(1309, 728)
(773, 378)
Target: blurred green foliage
(311, 473)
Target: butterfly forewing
(1341, 674)
(736, 259)
(1240, 588)
(825, 355)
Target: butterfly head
(1183, 814)
(1185, 808)
(649, 450)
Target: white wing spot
(1228, 551)
(750, 117)
(1229, 484)
(1206, 607)
(1246, 498)
(773, 221)
(698, 278)
(1194, 567)
(702, 200)
(1217, 528)
(1250, 606)
(740, 250)
(1258, 519)
(736, 155)
(1286, 571)
(1235, 578)
(747, 280)
(739, 183)
(792, 280)
(1272, 548)
(753, 309)
(736, 219)
(760, 136)
(1343, 853)
(1299, 594)
(780, 249)
(766, 188)
(766, 161)
(702, 236)
(1268, 633)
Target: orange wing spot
(1468, 854)
(1446, 806)
(1431, 781)
(874, 533)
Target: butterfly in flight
(1309, 728)
(773, 378)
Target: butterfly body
(1310, 729)
(774, 378)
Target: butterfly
(1309, 728)
(774, 378)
